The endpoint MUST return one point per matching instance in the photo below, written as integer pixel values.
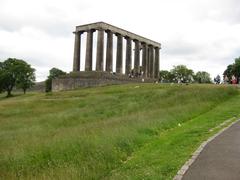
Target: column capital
(136, 40)
(117, 34)
(108, 31)
(126, 37)
(78, 32)
(100, 29)
(90, 30)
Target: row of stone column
(150, 54)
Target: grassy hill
(130, 131)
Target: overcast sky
(202, 34)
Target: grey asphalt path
(220, 159)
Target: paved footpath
(220, 159)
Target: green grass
(113, 132)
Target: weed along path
(219, 160)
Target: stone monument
(148, 71)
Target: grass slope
(113, 132)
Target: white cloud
(204, 35)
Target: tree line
(18, 74)
(181, 74)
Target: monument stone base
(78, 79)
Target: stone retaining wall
(93, 79)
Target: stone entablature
(115, 30)
(150, 51)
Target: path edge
(188, 163)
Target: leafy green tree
(166, 76)
(7, 76)
(202, 77)
(26, 78)
(53, 73)
(1, 77)
(15, 73)
(236, 68)
(182, 74)
(48, 85)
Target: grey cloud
(179, 47)
(55, 20)
(54, 27)
(35, 59)
(231, 13)
(215, 10)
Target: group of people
(233, 80)
(133, 73)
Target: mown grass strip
(163, 157)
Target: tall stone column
(136, 57)
(77, 51)
(153, 65)
(100, 47)
(119, 57)
(109, 53)
(128, 55)
(89, 51)
(156, 62)
(144, 60)
(151, 61)
(148, 62)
